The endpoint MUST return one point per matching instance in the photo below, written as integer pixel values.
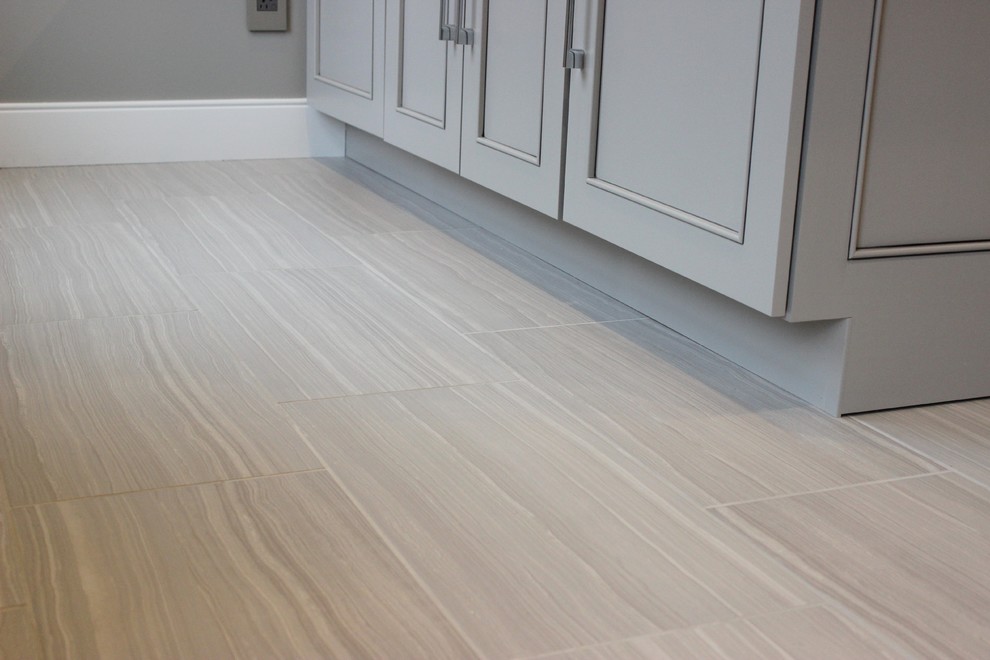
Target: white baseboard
(44, 134)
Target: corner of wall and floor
(102, 83)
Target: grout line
(416, 300)
(388, 392)
(826, 490)
(559, 325)
(172, 487)
(394, 550)
(674, 631)
(99, 318)
(411, 295)
(247, 271)
(386, 181)
(921, 453)
(32, 621)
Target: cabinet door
(684, 137)
(924, 162)
(346, 68)
(423, 81)
(514, 100)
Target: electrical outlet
(268, 15)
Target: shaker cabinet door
(346, 61)
(514, 100)
(423, 80)
(684, 136)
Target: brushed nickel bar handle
(446, 29)
(465, 35)
(573, 57)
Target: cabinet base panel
(839, 366)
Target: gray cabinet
(925, 145)
(476, 86)
(684, 136)
(838, 182)
(512, 129)
(346, 60)
(423, 79)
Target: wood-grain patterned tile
(18, 637)
(230, 234)
(47, 198)
(11, 569)
(476, 281)
(258, 173)
(909, 556)
(643, 362)
(113, 405)
(280, 567)
(957, 434)
(310, 334)
(349, 174)
(158, 180)
(532, 540)
(341, 206)
(82, 271)
(673, 410)
(814, 633)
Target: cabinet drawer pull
(573, 57)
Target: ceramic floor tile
(18, 637)
(114, 405)
(957, 434)
(310, 334)
(258, 173)
(280, 567)
(350, 175)
(909, 556)
(815, 633)
(478, 282)
(641, 362)
(736, 458)
(346, 200)
(530, 539)
(47, 198)
(248, 232)
(11, 569)
(673, 410)
(82, 271)
(634, 496)
(157, 180)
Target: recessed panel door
(423, 79)
(346, 68)
(684, 135)
(514, 100)
(925, 152)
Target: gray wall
(115, 50)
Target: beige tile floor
(288, 409)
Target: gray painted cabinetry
(345, 66)
(822, 162)
(477, 88)
(684, 136)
